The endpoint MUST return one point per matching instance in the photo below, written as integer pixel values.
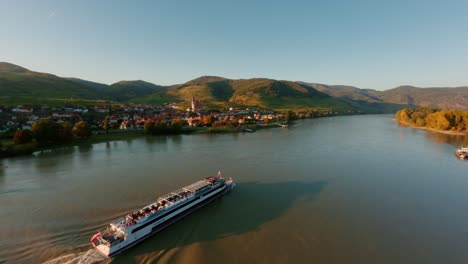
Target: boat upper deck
(164, 202)
(462, 150)
(194, 187)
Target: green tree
(22, 137)
(82, 130)
(45, 131)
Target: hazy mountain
(435, 97)
(345, 91)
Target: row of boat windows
(172, 210)
(163, 215)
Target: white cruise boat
(127, 231)
(462, 153)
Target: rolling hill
(96, 86)
(19, 85)
(218, 92)
(125, 90)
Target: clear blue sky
(370, 44)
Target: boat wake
(87, 257)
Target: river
(355, 189)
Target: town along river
(356, 189)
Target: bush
(162, 128)
(22, 137)
(82, 130)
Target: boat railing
(164, 202)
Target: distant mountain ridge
(434, 97)
(20, 85)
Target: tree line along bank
(444, 120)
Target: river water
(356, 189)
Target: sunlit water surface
(356, 189)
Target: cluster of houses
(128, 116)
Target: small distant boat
(462, 153)
(248, 130)
(133, 228)
(284, 125)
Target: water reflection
(442, 138)
(85, 148)
(245, 209)
(2, 171)
(177, 139)
(46, 162)
(156, 143)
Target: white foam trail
(87, 257)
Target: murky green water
(354, 189)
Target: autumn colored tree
(456, 120)
(208, 120)
(403, 115)
(149, 126)
(105, 125)
(82, 130)
(22, 137)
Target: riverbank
(457, 133)
(11, 150)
